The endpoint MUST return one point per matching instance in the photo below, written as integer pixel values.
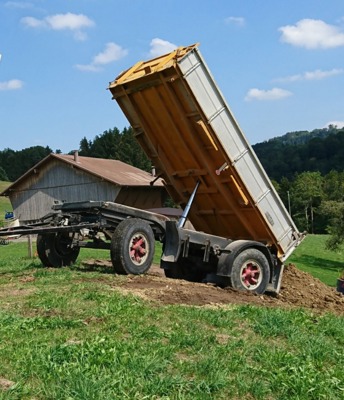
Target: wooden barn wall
(142, 197)
(57, 182)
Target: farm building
(71, 178)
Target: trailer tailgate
(186, 128)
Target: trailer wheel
(56, 250)
(41, 248)
(175, 271)
(250, 271)
(132, 247)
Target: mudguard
(226, 259)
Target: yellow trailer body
(186, 128)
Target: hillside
(5, 204)
(297, 152)
(302, 137)
(294, 152)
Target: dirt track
(299, 289)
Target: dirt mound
(298, 290)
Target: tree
(334, 186)
(306, 196)
(3, 175)
(84, 147)
(335, 211)
(113, 144)
(105, 145)
(16, 163)
(131, 152)
(332, 209)
(283, 190)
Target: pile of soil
(298, 290)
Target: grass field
(5, 204)
(70, 334)
(313, 257)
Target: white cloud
(238, 21)
(13, 84)
(318, 74)
(273, 94)
(112, 52)
(338, 124)
(312, 34)
(18, 4)
(88, 67)
(58, 22)
(32, 22)
(160, 47)
(69, 21)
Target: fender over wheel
(132, 247)
(56, 249)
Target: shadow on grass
(101, 266)
(21, 269)
(321, 263)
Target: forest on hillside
(320, 150)
(306, 168)
(112, 144)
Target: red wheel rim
(138, 249)
(251, 275)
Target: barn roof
(114, 171)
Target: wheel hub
(251, 275)
(138, 249)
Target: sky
(278, 63)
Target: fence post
(29, 242)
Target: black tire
(183, 269)
(41, 248)
(173, 271)
(132, 247)
(250, 271)
(59, 251)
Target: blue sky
(278, 63)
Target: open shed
(71, 178)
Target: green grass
(69, 333)
(5, 204)
(313, 257)
(4, 185)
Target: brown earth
(298, 290)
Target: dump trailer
(243, 233)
